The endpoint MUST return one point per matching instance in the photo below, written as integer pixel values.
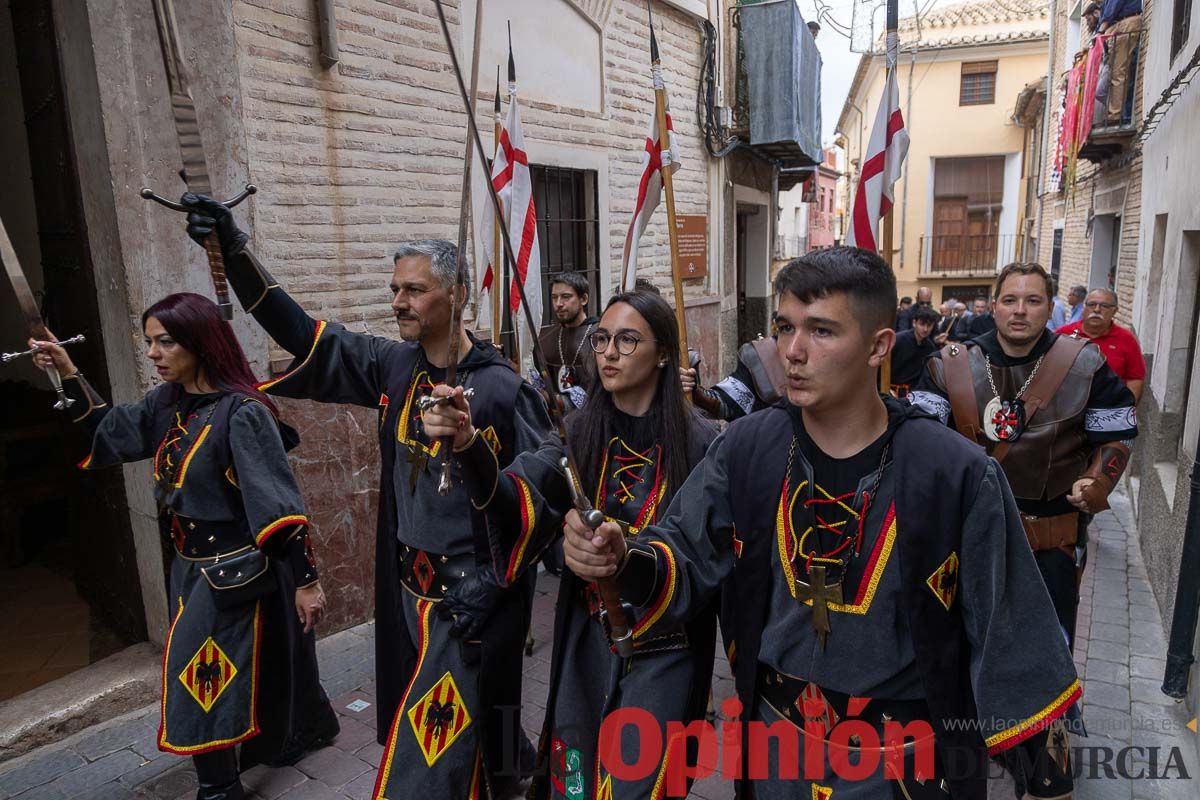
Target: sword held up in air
(33, 317)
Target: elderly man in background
(1120, 347)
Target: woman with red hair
(239, 666)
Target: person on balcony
(1123, 19)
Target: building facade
(960, 201)
(1166, 303)
(353, 129)
(1089, 203)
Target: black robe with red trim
(336, 365)
(235, 674)
(992, 664)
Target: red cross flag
(885, 155)
(654, 158)
(514, 185)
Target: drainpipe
(1187, 597)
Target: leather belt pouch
(239, 579)
(1060, 532)
(430, 575)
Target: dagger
(191, 148)
(33, 317)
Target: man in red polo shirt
(1118, 344)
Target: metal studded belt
(430, 575)
(201, 540)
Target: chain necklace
(566, 372)
(1004, 420)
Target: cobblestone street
(1120, 654)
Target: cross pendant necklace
(821, 594)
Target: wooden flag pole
(664, 137)
(497, 252)
(886, 250)
(512, 265)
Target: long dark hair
(592, 425)
(195, 323)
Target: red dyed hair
(195, 323)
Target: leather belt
(430, 575)
(800, 701)
(1060, 532)
(201, 540)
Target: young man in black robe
(865, 582)
(912, 347)
(440, 713)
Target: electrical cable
(717, 141)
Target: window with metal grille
(568, 228)
(978, 85)
(1181, 26)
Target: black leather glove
(208, 215)
(470, 603)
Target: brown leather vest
(1053, 451)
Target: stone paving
(1120, 653)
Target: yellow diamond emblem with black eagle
(208, 674)
(439, 718)
(944, 581)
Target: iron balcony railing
(963, 254)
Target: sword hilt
(619, 631)
(429, 401)
(212, 246)
(148, 194)
(7, 357)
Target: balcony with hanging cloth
(1087, 130)
(777, 94)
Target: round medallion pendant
(1004, 420)
(566, 378)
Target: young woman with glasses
(240, 664)
(634, 441)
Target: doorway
(69, 588)
(1106, 245)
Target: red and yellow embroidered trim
(264, 386)
(999, 742)
(821, 792)
(187, 460)
(252, 731)
(274, 527)
(419, 380)
(629, 472)
(86, 463)
(492, 438)
(787, 546)
(424, 609)
(663, 601)
(944, 581)
(528, 522)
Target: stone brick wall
(355, 159)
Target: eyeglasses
(1095, 305)
(626, 342)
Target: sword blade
(20, 285)
(183, 109)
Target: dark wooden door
(96, 515)
(949, 230)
